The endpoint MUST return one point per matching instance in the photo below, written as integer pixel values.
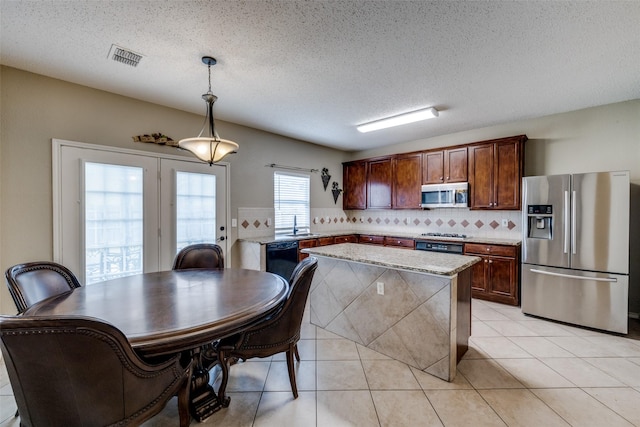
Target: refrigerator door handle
(570, 276)
(566, 222)
(573, 222)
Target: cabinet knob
(485, 261)
(490, 261)
(447, 178)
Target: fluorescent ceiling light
(402, 119)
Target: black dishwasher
(282, 258)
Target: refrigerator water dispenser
(540, 221)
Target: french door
(123, 212)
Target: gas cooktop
(447, 235)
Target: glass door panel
(193, 197)
(114, 222)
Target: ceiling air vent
(126, 56)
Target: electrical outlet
(380, 288)
(505, 222)
(268, 222)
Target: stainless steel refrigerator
(575, 249)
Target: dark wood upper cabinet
(379, 183)
(455, 165)
(407, 170)
(449, 165)
(493, 169)
(495, 173)
(355, 185)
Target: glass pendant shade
(209, 148)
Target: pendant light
(210, 149)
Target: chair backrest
(299, 285)
(34, 281)
(75, 371)
(199, 255)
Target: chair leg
(183, 402)
(292, 372)
(295, 348)
(224, 364)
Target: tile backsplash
(258, 222)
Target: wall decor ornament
(325, 178)
(336, 192)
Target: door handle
(566, 222)
(574, 227)
(571, 276)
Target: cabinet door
(507, 173)
(379, 175)
(481, 176)
(502, 280)
(455, 165)
(407, 171)
(478, 277)
(433, 167)
(355, 186)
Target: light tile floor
(519, 371)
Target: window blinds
(291, 199)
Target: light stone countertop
(420, 261)
(263, 240)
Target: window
(291, 202)
(113, 221)
(195, 208)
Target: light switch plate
(380, 288)
(505, 222)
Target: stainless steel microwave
(454, 195)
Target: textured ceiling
(314, 69)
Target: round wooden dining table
(177, 311)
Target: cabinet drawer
(480, 249)
(350, 238)
(374, 240)
(310, 243)
(324, 241)
(402, 243)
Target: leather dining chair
(85, 373)
(199, 255)
(280, 332)
(32, 282)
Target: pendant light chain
(209, 67)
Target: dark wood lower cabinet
(496, 277)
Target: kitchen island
(412, 306)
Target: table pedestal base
(204, 401)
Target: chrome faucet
(295, 222)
